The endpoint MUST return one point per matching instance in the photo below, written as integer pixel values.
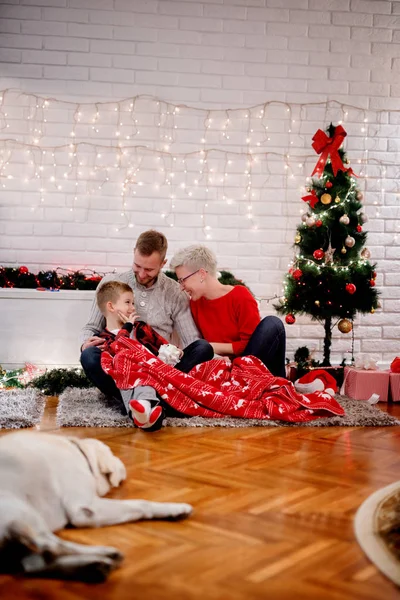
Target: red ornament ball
(23, 270)
(318, 223)
(318, 254)
(290, 319)
(328, 184)
(359, 228)
(350, 288)
(373, 274)
(372, 282)
(297, 273)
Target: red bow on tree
(312, 198)
(327, 146)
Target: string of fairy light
(101, 145)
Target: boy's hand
(131, 319)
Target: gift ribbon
(327, 146)
(366, 362)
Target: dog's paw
(180, 511)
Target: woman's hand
(222, 348)
(94, 340)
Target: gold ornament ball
(372, 310)
(297, 239)
(345, 326)
(365, 253)
(343, 250)
(326, 198)
(337, 199)
(317, 303)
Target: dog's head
(108, 470)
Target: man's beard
(148, 281)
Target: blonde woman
(227, 316)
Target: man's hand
(95, 340)
(131, 319)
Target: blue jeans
(268, 343)
(197, 352)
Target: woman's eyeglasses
(182, 279)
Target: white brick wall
(212, 54)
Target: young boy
(116, 303)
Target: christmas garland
(52, 382)
(65, 279)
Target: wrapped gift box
(394, 379)
(360, 384)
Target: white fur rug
(90, 408)
(21, 408)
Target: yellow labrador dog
(48, 482)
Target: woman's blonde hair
(195, 257)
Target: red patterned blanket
(244, 388)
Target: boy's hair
(195, 257)
(152, 241)
(110, 292)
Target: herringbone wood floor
(273, 514)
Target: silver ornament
(304, 217)
(365, 253)
(363, 218)
(359, 196)
(349, 241)
(310, 221)
(344, 219)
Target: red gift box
(360, 384)
(394, 379)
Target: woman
(228, 316)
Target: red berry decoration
(23, 270)
(328, 184)
(318, 223)
(297, 273)
(350, 288)
(372, 282)
(359, 228)
(290, 319)
(318, 254)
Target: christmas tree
(331, 278)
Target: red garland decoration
(327, 146)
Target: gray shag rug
(21, 408)
(90, 408)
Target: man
(159, 301)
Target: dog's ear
(107, 469)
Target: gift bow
(327, 146)
(312, 198)
(366, 362)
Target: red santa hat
(317, 380)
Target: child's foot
(147, 415)
(141, 410)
